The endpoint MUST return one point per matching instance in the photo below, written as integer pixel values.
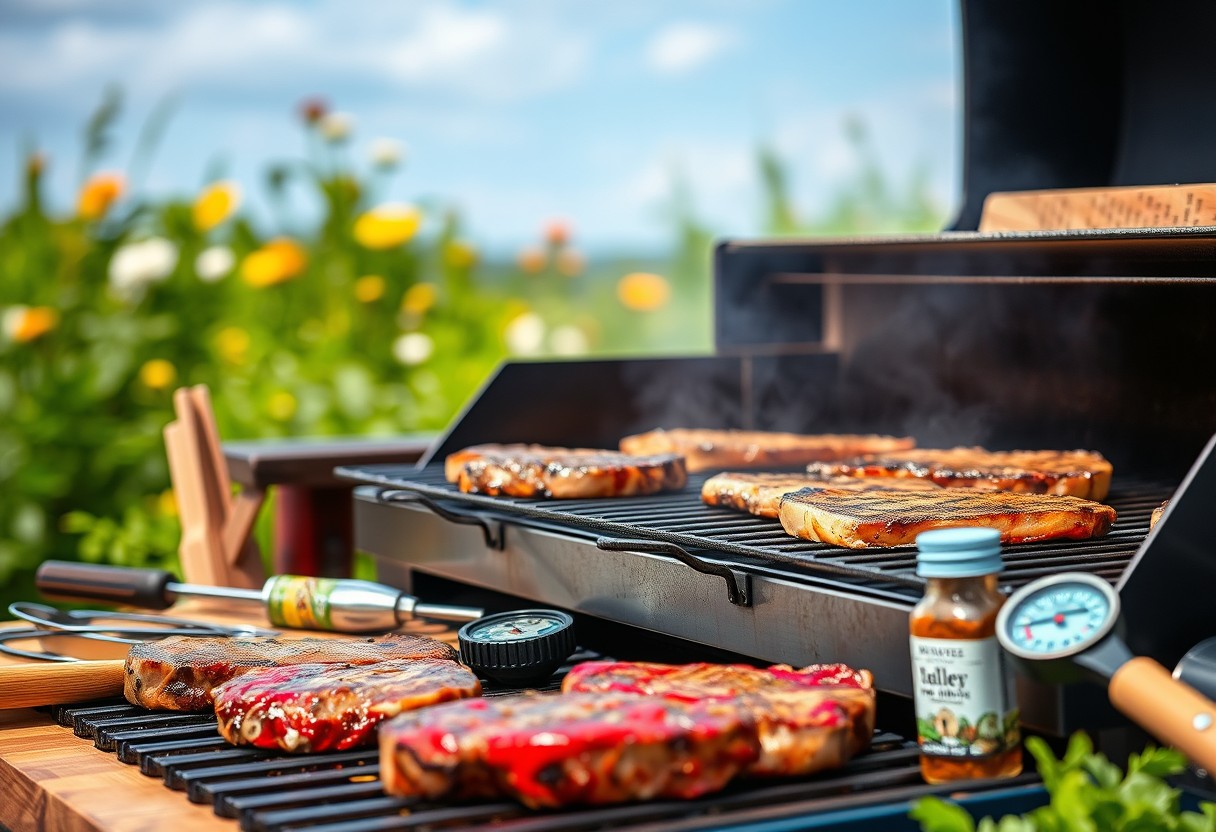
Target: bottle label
(300, 602)
(963, 701)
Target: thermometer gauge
(526, 645)
(1058, 616)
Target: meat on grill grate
(562, 473)
(326, 707)
(708, 449)
(760, 494)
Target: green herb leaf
(937, 815)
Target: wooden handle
(55, 683)
(1170, 710)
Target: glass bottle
(966, 714)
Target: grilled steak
(1155, 517)
(891, 518)
(808, 720)
(550, 751)
(178, 673)
(1075, 473)
(760, 494)
(707, 449)
(562, 473)
(324, 707)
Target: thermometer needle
(1058, 618)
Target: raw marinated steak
(562, 473)
(760, 494)
(178, 673)
(708, 449)
(324, 707)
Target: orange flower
(369, 288)
(100, 191)
(643, 291)
(531, 260)
(419, 298)
(570, 262)
(279, 260)
(557, 232)
(157, 374)
(313, 110)
(387, 226)
(215, 204)
(23, 324)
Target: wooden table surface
(51, 779)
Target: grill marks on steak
(1073, 473)
(892, 518)
(332, 707)
(705, 449)
(760, 494)
(807, 720)
(178, 673)
(552, 751)
(562, 473)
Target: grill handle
(738, 583)
(57, 683)
(146, 588)
(492, 531)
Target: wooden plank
(1163, 206)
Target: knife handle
(1170, 710)
(57, 683)
(147, 588)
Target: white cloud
(683, 47)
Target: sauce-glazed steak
(178, 673)
(562, 473)
(892, 518)
(552, 751)
(760, 494)
(706, 449)
(324, 707)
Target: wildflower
(35, 164)
(232, 343)
(135, 266)
(419, 298)
(215, 204)
(313, 110)
(157, 374)
(369, 288)
(413, 348)
(570, 262)
(568, 340)
(643, 291)
(386, 153)
(100, 191)
(336, 127)
(557, 233)
(281, 406)
(166, 503)
(387, 226)
(279, 260)
(459, 255)
(214, 263)
(525, 334)
(531, 260)
(23, 324)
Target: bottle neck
(951, 586)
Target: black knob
(520, 646)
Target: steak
(1075, 473)
(562, 473)
(707, 449)
(808, 720)
(178, 673)
(1155, 517)
(549, 751)
(760, 494)
(332, 707)
(891, 518)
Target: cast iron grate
(726, 536)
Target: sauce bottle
(966, 714)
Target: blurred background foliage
(380, 320)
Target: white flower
(413, 348)
(525, 334)
(214, 263)
(568, 340)
(386, 153)
(336, 127)
(137, 265)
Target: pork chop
(705, 449)
(562, 473)
(760, 494)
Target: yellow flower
(166, 503)
(387, 226)
(232, 343)
(570, 262)
(419, 298)
(99, 192)
(459, 255)
(643, 291)
(531, 260)
(157, 374)
(557, 232)
(281, 406)
(23, 324)
(279, 260)
(369, 288)
(215, 204)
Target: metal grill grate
(743, 540)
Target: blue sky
(514, 112)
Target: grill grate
(267, 791)
(738, 539)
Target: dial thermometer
(519, 646)
(1063, 628)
